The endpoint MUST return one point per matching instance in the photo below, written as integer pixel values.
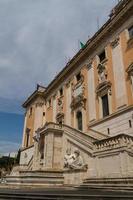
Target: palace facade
(81, 124)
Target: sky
(37, 38)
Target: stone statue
(37, 137)
(68, 158)
(74, 161)
(102, 73)
(78, 161)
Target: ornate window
(79, 120)
(103, 91)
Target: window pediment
(78, 101)
(103, 88)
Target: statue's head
(68, 151)
(77, 152)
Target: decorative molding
(89, 65)
(39, 104)
(60, 117)
(115, 142)
(79, 101)
(115, 42)
(68, 83)
(129, 70)
(60, 104)
(103, 88)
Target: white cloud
(7, 147)
(36, 36)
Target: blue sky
(11, 126)
(37, 38)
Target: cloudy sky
(37, 37)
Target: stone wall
(116, 124)
(26, 155)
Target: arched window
(79, 120)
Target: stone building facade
(81, 124)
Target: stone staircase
(63, 193)
(108, 183)
(36, 178)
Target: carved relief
(37, 137)
(104, 88)
(115, 42)
(78, 96)
(60, 105)
(104, 85)
(74, 160)
(60, 114)
(39, 104)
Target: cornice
(122, 11)
(114, 22)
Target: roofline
(34, 95)
(88, 44)
(83, 52)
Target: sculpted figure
(102, 73)
(68, 159)
(74, 161)
(78, 161)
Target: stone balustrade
(118, 141)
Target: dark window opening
(42, 146)
(102, 56)
(27, 139)
(78, 77)
(43, 113)
(108, 131)
(27, 136)
(60, 123)
(105, 105)
(130, 30)
(79, 120)
(49, 102)
(30, 111)
(130, 123)
(61, 91)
